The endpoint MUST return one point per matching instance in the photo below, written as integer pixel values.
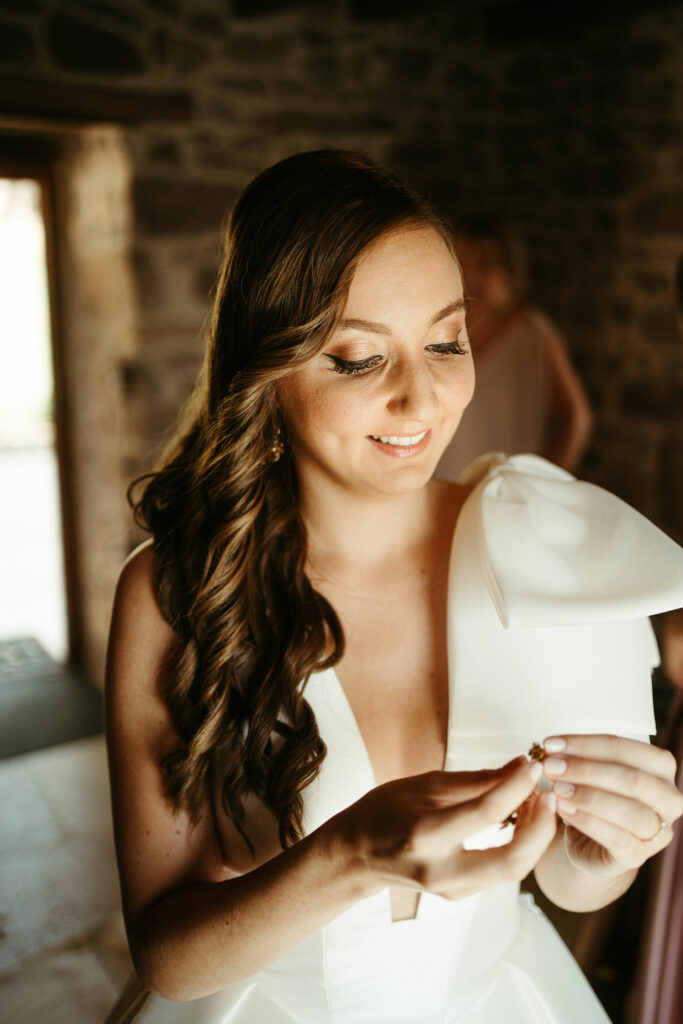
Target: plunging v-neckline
(346, 703)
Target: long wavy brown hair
(229, 541)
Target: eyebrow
(375, 328)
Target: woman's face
(374, 410)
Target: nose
(411, 391)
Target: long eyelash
(449, 348)
(351, 367)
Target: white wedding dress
(551, 582)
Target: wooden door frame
(23, 155)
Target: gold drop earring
(277, 447)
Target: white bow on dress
(551, 583)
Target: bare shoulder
(159, 849)
(136, 611)
(136, 589)
(140, 642)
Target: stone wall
(569, 130)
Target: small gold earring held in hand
(535, 753)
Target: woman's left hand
(617, 796)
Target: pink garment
(511, 404)
(660, 989)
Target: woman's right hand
(411, 831)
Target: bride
(326, 666)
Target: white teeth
(403, 442)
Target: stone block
(619, 171)
(149, 288)
(658, 132)
(218, 105)
(380, 10)
(323, 70)
(659, 213)
(656, 324)
(259, 8)
(467, 88)
(238, 78)
(318, 36)
(657, 399)
(76, 45)
(624, 461)
(168, 7)
(174, 51)
(654, 93)
(205, 280)
(413, 65)
(324, 123)
(165, 152)
(620, 309)
(111, 11)
(207, 23)
(239, 154)
(608, 93)
(25, 8)
(607, 51)
(410, 154)
(180, 206)
(604, 220)
(650, 51)
(260, 51)
(529, 71)
(17, 45)
(651, 282)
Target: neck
(359, 535)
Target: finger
(494, 805)
(617, 749)
(619, 779)
(623, 846)
(641, 821)
(454, 788)
(534, 832)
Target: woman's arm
(570, 414)
(193, 927)
(672, 647)
(618, 799)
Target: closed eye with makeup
(350, 358)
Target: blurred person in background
(528, 397)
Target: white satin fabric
(549, 581)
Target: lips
(401, 446)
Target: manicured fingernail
(554, 766)
(554, 744)
(549, 802)
(536, 770)
(566, 808)
(563, 789)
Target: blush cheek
(317, 420)
(329, 412)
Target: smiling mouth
(401, 441)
